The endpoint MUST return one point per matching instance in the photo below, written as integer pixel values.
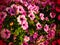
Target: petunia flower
(41, 16)
(33, 8)
(26, 38)
(31, 16)
(51, 34)
(35, 35)
(21, 10)
(46, 28)
(39, 26)
(5, 33)
(21, 19)
(11, 11)
(25, 25)
(52, 14)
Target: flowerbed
(29, 22)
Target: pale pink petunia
(39, 26)
(26, 38)
(46, 28)
(5, 33)
(25, 25)
(41, 16)
(21, 19)
(31, 16)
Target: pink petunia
(35, 35)
(33, 8)
(52, 14)
(39, 26)
(16, 1)
(21, 10)
(21, 19)
(5, 33)
(46, 28)
(31, 16)
(41, 16)
(46, 18)
(25, 25)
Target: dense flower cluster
(28, 22)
